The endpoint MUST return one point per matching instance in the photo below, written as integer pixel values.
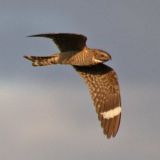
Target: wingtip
(29, 36)
(32, 36)
(47, 35)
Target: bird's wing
(66, 41)
(104, 88)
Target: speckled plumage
(101, 79)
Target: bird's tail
(42, 61)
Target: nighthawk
(101, 79)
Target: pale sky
(47, 113)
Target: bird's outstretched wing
(103, 85)
(66, 41)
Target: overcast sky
(47, 113)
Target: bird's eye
(103, 56)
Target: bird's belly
(76, 59)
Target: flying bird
(101, 79)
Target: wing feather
(66, 41)
(104, 89)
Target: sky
(47, 113)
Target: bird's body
(101, 79)
(75, 58)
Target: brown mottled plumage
(101, 79)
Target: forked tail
(42, 61)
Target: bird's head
(101, 56)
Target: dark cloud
(129, 31)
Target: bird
(101, 79)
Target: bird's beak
(109, 56)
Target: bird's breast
(76, 58)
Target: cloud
(44, 121)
